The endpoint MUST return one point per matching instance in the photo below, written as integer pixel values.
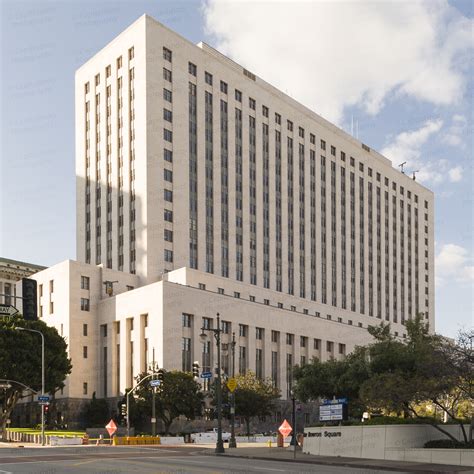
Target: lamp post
(153, 367)
(217, 335)
(232, 441)
(43, 439)
(293, 419)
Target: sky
(403, 71)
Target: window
(289, 339)
(208, 78)
(207, 323)
(167, 115)
(119, 62)
(84, 329)
(130, 287)
(265, 111)
(316, 344)
(103, 330)
(167, 75)
(220, 291)
(236, 294)
(168, 135)
(97, 79)
(167, 95)
(275, 336)
(305, 311)
(168, 255)
(168, 235)
(84, 352)
(168, 155)
(192, 69)
(342, 349)
(252, 298)
(84, 388)
(343, 156)
(369, 170)
(323, 145)
(40, 290)
(84, 283)
(329, 346)
(168, 215)
(225, 326)
(289, 125)
(168, 175)
(86, 88)
(312, 138)
(238, 95)
(51, 286)
(186, 320)
(131, 53)
(303, 341)
(224, 87)
(85, 304)
(243, 330)
(167, 54)
(280, 305)
(259, 333)
(293, 308)
(202, 286)
(267, 302)
(252, 103)
(277, 118)
(301, 132)
(168, 195)
(333, 150)
(361, 167)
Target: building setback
(202, 189)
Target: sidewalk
(285, 455)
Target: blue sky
(403, 70)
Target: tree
(20, 361)
(179, 394)
(253, 397)
(334, 378)
(97, 412)
(399, 376)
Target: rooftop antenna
(401, 165)
(414, 174)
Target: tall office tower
(187, 159)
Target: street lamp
(232, 441)
(18, 328)
(217, 336)
(293, 441)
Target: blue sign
(336, 401)
(206, 375)
(43, 398)
(155, 383)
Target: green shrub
(448, 444)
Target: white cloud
(455, 174)
(453, 262)
(407, 147)
(333, 54)
(453, 135)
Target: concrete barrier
(394, 442)
(65, 441)
(171, 440)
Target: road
(146, 460)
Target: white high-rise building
(203, 189)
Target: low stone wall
(383, 442)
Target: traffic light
(161, 374)
(30, 305)
(123, 409)
(196, 368)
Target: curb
(437, 468)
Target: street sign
(5, 385)
(43, 398)
(334, 401)
(7, 310)
(206, 375)
(155, 383)
(333, 412)
(44, 403)
(232, 384)
(153, 420)
(285, 429)
(111, 427)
